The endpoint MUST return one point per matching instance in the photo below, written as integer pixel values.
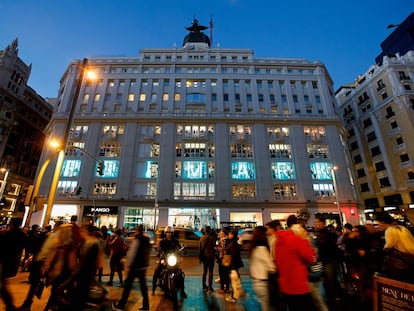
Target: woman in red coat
(293, 255)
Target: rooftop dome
(196, 36)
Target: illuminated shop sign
(101, 210)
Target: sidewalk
(197, 299)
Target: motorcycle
(170, 277)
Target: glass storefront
(194, 218)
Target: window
(280, 151)
(404, 158)
(243, 170)
(142, 97)
(394, 124)
(283, 170)
(315, 132)
(375, 151)
(317, 151)
(241, 191)
(354, 145)
(85, 99)
(131, 97)
(71, 168)
(357, 159)
(97, 97)
(323, 190)
(165, 97)
(321, 170)
(379, 166)
(194, 170)
(364, 187)
(399, 140)
(384, 182)
(241, 150)
(284, 191)
(196, 98)
(361, 173)
(371, 136)
(110, 149)
(367, 122)
(111, 169)
(104, 189)
(151, 169)
(195, 150)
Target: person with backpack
(137, 264)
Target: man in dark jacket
(207, 257)
(12, 242)
(136, 265)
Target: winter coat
(293, 256)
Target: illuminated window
(283, 170)
(317, 151)
(321, 170)
(106, 189)
(243, 170)
(151, 169)
(314, 132)
(280, 151)
(194, 170)
(97, 97)
(110, 149)
(244, 191)
(111, 169)
(284, 191)
(142, 97)
(131, 97)
(165, 97)
(241, 150)
(66, 186)
(71, 168)
(177, 97)
(85, 99)
(323, 190)
(196, 98)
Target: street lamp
(61, 153)
(333, 169)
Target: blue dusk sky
(344, 35)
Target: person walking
(223, 270)
(293, 255)
(12, 242)
(326, 243)
(35, 272)
(207, 257)
(233, 250)
(117, 245)
(136, 265)
(261, 266)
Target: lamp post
(333, 169)
(61, 153)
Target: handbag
(226, 261)
(39, 288)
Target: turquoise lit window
(111, 169)
(194, 170)
(196, 98)
(283, 170)
(243, 170)
(151, 169)
(321, 170)
(71, 168)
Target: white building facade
(378, 113)
(198, 135)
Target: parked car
(245, 237)
(186, 236)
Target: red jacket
(293, 255)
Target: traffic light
(100, 168)
(78, 191)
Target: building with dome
(196, 135)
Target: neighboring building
(378, 113)
(199, 135)
(23, 117)
(401, 40)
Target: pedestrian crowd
(292, 268)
